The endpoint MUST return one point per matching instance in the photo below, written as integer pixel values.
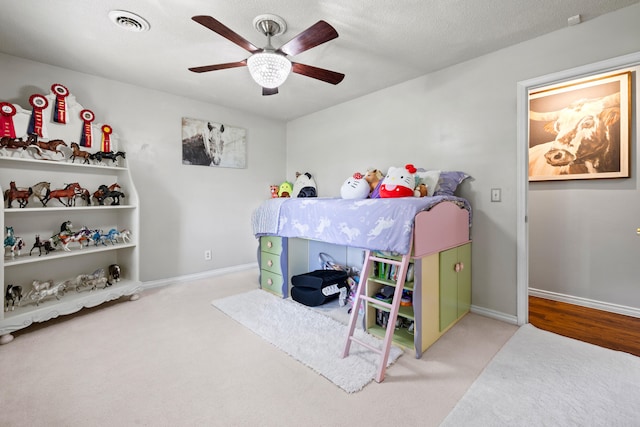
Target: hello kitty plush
(399, 182)
(355, 187)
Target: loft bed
(428, 224)
(423, 229)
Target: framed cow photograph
(208, 143)
(580, 129)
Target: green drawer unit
(271, 244)
(271, 282)
(272, 259)
(270, 262)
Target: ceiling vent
(129, 21)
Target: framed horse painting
(580, 129)
(207, 143)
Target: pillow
(448, 182)
(430, 179)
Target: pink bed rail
(442, 227)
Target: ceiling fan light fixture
(269, 69)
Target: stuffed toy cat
(355, 187)
(304, 186)
(399, 182)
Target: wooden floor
(602, 328)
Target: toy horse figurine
(77, 152)
(39, 244)
(13, 242)
(105, 192)
(13, 295)
(21, 195)
(41, 191)
(114, 272)
(69, 192)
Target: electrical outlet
(495, 194)
(207, 255)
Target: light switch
(496, 194)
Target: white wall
(462, 118)
(184, 209)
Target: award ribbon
(87, 117)
(60, 108)
(7, 111)
(106, 140)
(39, 103)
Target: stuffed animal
(304, 186)
(374, 178)
(355, 187)
(399, 182)
(274, 191)
(285, 189)
(420, 190)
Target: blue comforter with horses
(376, 224)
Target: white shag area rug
(315, 340)
(543, 379)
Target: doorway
(522, 230)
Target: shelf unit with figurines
(79, 243)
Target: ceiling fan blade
(317, 73)
(218, 27)
(206, 68)
(267, 91)
(318, 33)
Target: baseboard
(585, 302)
(508, 318)
(199, 276)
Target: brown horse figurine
(84, 195)
(52, 145)
(77, 152)
(69, 192)
(8, 142)
(21, 195)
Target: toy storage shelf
(406, 315)
(441, 288)
(60, 265)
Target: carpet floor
(171, 359)
(543, 379)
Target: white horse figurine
(56, 291)
(125, 235)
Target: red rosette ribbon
(39, 103)
(87, 117)
(7, 111)
(60, 108)
(106, 139)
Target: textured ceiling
(381, 43)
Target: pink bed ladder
(393, 308)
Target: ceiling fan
(270, 67)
